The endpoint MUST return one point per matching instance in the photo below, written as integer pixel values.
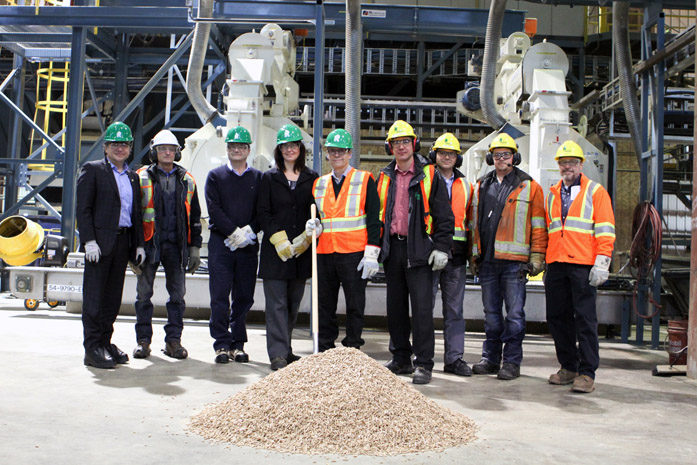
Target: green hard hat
(239, 135)
(340, 138)
(118, 132)
(288, 133)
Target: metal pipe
(623, 57)
(205, 110)
(692, 321)
(491, 55)
(354, 48)
(318, 108)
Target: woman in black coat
(283, 208)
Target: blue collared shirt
(346, 173)
(229, 166)
(123, 182)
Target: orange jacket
(521, 229)
(589, 228)
(343, 217)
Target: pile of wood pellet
(337, 402)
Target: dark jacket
(99, 206)
(152, 246)
(281, 209)
(419, 244)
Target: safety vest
(589, 228)
(521, 229)
(425, 184)
(343, 217)
(147, 190)
(460, 203)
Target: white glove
(312, 225)
(229, 245)
(92, 251)
(600, 271)
(140, 256)
(241, 237)
(369, 262)
(438, 260)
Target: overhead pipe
(491, 56)
(197, 56)
(623, 58)
(354, 64)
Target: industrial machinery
(530, 94)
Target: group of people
(422, 219)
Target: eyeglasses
(119, 145)
(290, 146)
(237, 146)
(446, 154)
(336, 152)
(569, 162)
(165, 148)
(503, 155)
(401, 142)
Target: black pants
(404, 286)
(102, 288)
(334, 270)
(571, 317)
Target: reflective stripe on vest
(425, 185)
(582, 224)
(519, 245)
(460, 201)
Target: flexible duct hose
(491, 56)
(354, 41)
(196, 59)
(623, 58)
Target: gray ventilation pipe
(197, 56)
(623, 58)
(491, 56)
(354, 47)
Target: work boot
(222, 356)
(509, 371)
(563, 376)
(458, 367)
(583, 383)
(421, 376)
(117, 354)
(292, 358)
(278, 362)
(399, 368)
(485, 367)
(173, 348)
(239, 355)
(142, 350)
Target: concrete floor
(55, 410)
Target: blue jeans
(501, 282)
(452, 287)
(171, 259)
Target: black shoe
(173, 348)
(458, 367)
(117, 354)
(278, 362)
(509, 371)
(292, 358)
(239, 355)
(99, 358)
(485, 367)
(221, 356)
(142, 350)
(421, 376)
(398, 368)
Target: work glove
(438, 260)
(474, 266)
(301, 243)
(369, 263)
(140, 256)
(536, 263)
(282, 244)
(137, 270)
(240, 237)
(600, 271)
(312, 225)
(194, 259)
(92, 251)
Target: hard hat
(288, 133)
(502, 141)
(164, 137)
(118, 132)
(447, 142)
(339, 138)
(239, 135)
(400, 129)
(570, 149)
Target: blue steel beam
(15, 133)
(317, 116)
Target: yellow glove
(282, 244)
(301, 243)
(537, 263)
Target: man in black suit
(109, 219)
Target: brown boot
(583, 383)
(563, 376)
(173, 348)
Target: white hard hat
(164, 137)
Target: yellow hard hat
(400, 129)
(447, 142)
(570, 149)
(503, 141)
